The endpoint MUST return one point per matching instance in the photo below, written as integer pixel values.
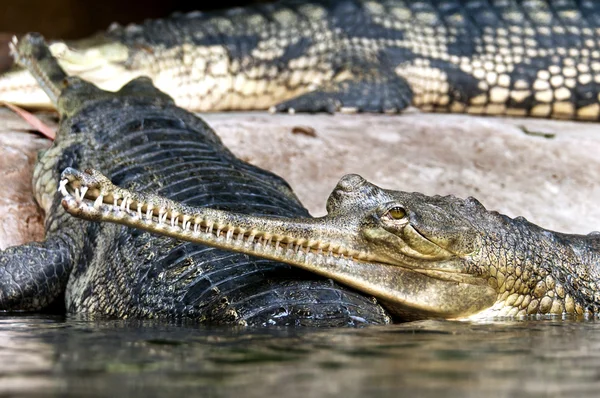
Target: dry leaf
(32, 120)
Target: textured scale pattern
(495, 57)
(536, 271)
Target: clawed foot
(351, 97)
(309, 103)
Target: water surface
(53, 356)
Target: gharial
(140, 139)
(420, 256)
(495, 57)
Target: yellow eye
(397, 213)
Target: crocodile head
(425, 244)
(97, 59)
(413, 252)
(431, 235)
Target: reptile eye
(397, 213)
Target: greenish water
(46, 356)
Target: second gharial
(520, 58)
(420, 256)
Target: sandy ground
(546, 171)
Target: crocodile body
(494, 57)
(142, 140)
(420, 256)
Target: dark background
(74, 19)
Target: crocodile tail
(32, 53)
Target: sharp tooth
(209, 229)
(149, 212)
(173, 220)
(139, 210)
(83, 191)
(195, 227)
(115, 201)
(98, 202)
(124, 202)
(62, 187)
(77, 194)
(229, 234)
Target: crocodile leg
(372, 92)
(33, 275)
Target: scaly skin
(139, 138)
(421, 256)
(522, 58)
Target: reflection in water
(54, 357)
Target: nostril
(350, 182)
